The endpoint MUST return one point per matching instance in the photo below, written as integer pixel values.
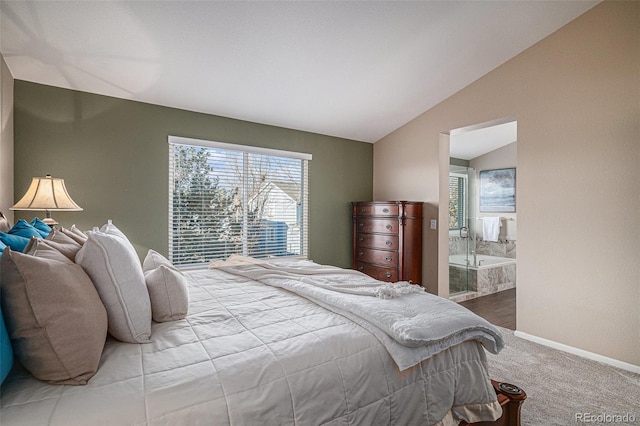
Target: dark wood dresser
(387, 240)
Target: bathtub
(484, 261)
(493, 274)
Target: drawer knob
(387, 274)
(361, 224)
(388, 259)
(389, 227)
(385, 210)
(360, 253)
(361, 239)
(360, 268)
(364, 210)
(388, 242)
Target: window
(229, 199)
(457, 206)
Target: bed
(255, 349)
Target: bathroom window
(457, 206)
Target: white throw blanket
(413, 326)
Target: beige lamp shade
(48, 194)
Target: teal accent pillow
(6, 351)
(15, 242)
(2, 247)
(24, 229)
(41, 227)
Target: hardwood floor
(498, 308)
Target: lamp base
(50, 221)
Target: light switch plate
(434, 224)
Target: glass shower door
(462, 229)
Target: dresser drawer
(389, 226)
(387, 242)
(378, 272)
(380, 257)
(377, 210)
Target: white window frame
(245, 150)
(463, 203)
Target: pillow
(16, 242)
(5, 225)
(115, 269)
(78, 232)
(169, 293)
(24, 229)
(44, 248)
(37, 247)
(54, 316)
(63, 243)
(111, 229)
(40, 226)
(2, 247)
(6, 351)
(155, 259)
(75, 236)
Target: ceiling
(352, 69)
(473, 142)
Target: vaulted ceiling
(352, 69)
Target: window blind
(229, 199)
(456, 201)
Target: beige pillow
(78, 233)
(63, 243)
(55, 318)
(48, 249)
(169, 293)
(115, 270)
(75, 236)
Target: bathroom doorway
(480, 262)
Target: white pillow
(114, 268)
(169, 293)
(155, 259)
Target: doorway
(480, 263)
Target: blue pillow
(6, 352)
(2, 247)
(41, 227)
(15, 242)
(24, 229)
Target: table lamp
(48, 194)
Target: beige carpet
(565, 389)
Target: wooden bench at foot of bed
(510, 398)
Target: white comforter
(412, 324)
(251, 354)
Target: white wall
(6, 140)
(576, 98)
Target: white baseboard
(580, 352)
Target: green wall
(113, 155)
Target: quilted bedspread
(412, 324)
(252, 354)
